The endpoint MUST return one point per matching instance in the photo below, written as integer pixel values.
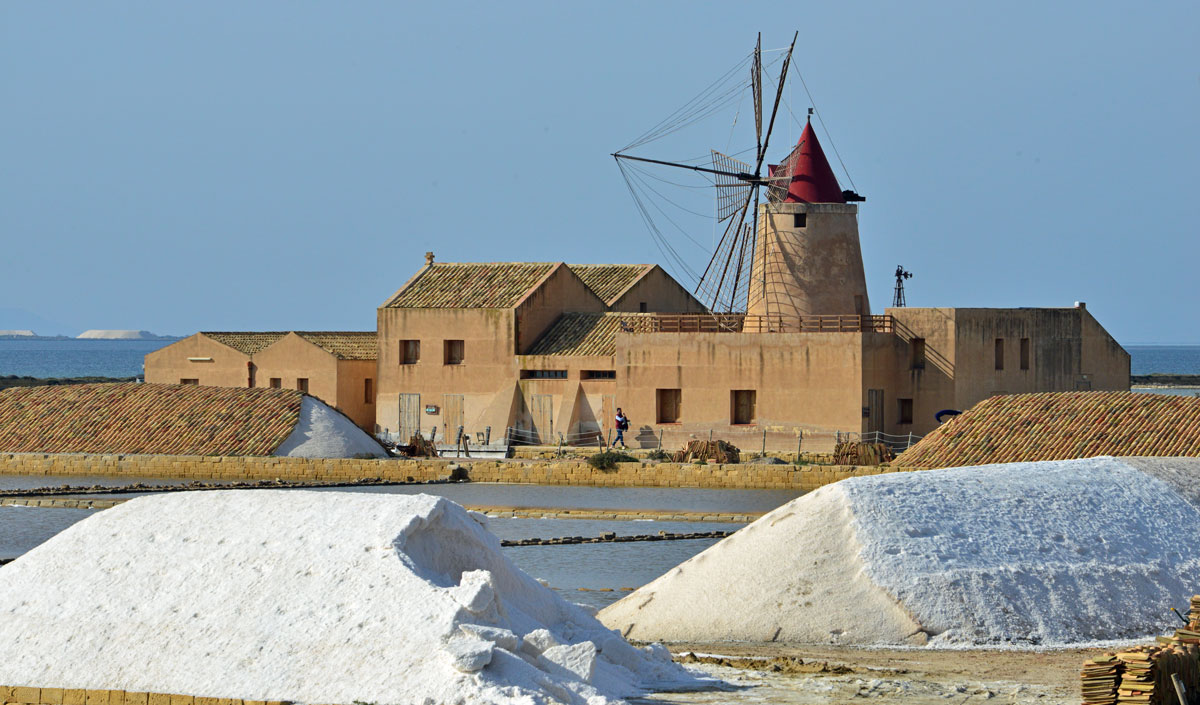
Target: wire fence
(747, 440)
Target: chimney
(428, 258)
(1081, 304)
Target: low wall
(68, 696)
(790, 477)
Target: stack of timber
(418, 447)
(851, 453)
(699, 451)
(1143, 674)
(1100, 677)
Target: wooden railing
(744, 323)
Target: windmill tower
(808, 260)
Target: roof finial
(810, 112)
(428, 258)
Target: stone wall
(346, 469)
(69, 696)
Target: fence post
(764, 448)
(609, 441)
(660, 437)
(909, 441)
(799, 443)
(487, 436)
(710, 435)
(560, 444)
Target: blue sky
(271, 165)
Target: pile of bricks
(1143, 674)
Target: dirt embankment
(1163, 380)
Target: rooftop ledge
(745, 323)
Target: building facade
(337, 367)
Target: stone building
(543, 351)
(337, 367)
(551, 350)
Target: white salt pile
(1051, 553)
(309, 597)
(324, 432)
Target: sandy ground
(801, 675)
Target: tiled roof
(346, 345)
(609, 280)
(583, 334)
(132, 418)
(471, 285)
(248, 343)
(1061, 426)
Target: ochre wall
(292, 357)
(486, 373)
(660, 293)
(561, 291)
(814, 270)
(803, 381)
(351, 399)
(170, 364)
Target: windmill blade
(756, 90)
(781, 176)
(787, 60)
(732, 192)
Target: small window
(916, 348)
(302, 384)
(741, 406)
(368, 391)
(906, 411)
(452, 352)
(999, 353)
(189, 381)
(543, 374)
(410, 352)
(1024, 353)
(598, 374)
(642, 306)
(668, 405)
(800, 220)
(276, 382)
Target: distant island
(95, 334)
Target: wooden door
(543, 418)
(875, 410)
(410, 416)
(452, 416)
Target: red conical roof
(812, 177)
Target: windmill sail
(732, 192)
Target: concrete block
(177, 699)
(136, 698)
(116, 697)
(74, 696)
(95, 697)
(52, 696)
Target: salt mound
(116, 335)
(323, 597)
(1050, 553)
(324, 432)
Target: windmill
(725, 285)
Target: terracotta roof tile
(608, 280)
(583, 334)
(1061, 426)
(247, 342)
(134, 418)
(471, 285)
(346, 345)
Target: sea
(124, 358)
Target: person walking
(622, 426)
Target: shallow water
(564, 568)
(500, 495)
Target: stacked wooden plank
(702, 451)
(1142, 675)
(1061, 426)
(860, 454)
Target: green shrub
(608, 460)
(659, 454)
